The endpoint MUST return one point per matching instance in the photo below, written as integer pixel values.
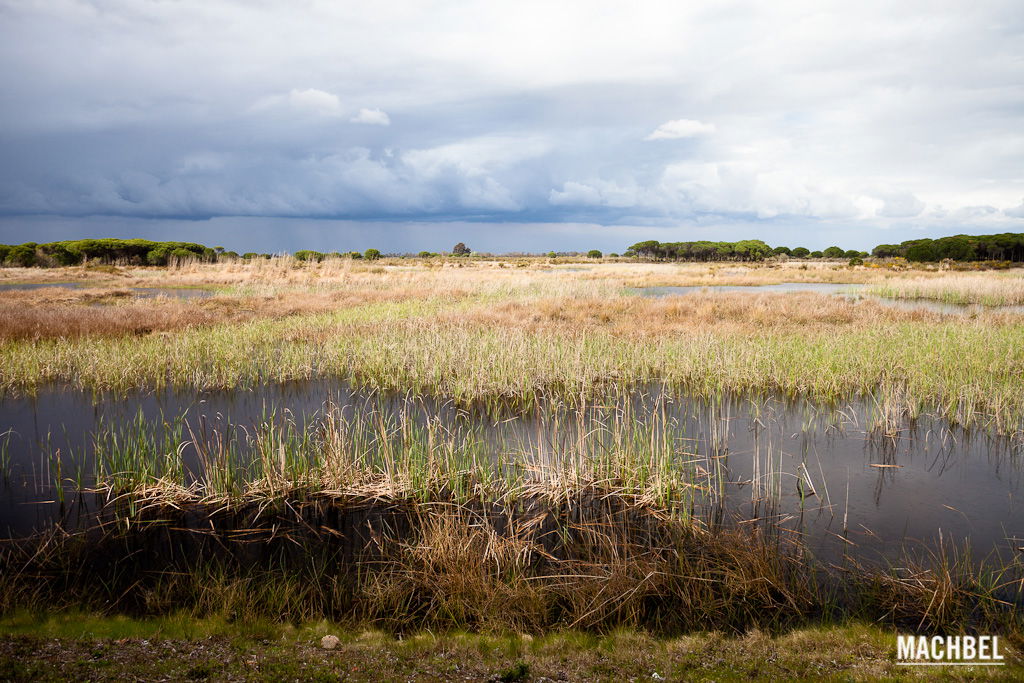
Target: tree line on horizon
(744, 250)
(996, 247)
(1007, 246)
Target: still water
(822, 475)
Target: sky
(511, 126)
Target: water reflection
(820, 474)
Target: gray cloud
(847, 118)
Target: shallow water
(140, 292)
(853, 292)
(764, 458)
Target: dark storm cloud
(732, 118)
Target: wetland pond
(821, 475)
(853, 292)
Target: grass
(398, 448)
(593, 560)
(528, 339)
(403, 518)
(84, 646)
(403, 522)
(989, 289)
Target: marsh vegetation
(515, 444)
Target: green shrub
(594, 253)
(309, 255)
(371, 254)
(23, 255)
(158, 256)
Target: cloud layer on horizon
(824, 113)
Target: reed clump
(402, 565)
(987, 289)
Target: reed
(594, 564)
(401, 448)
(500, 346)
(986, 289)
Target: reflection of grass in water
(404, 450)
(594, 563)
(5, 454)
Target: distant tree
(62, 254)
(23, 255)
(886, 251)
(183, 254)
(852, 253)
(309, 255)
(816, 254)
(782, 250)
(461, 249)
(594, 253)
(833, 252)
(613, 255)
(355, 255)
(921, 250)
(371, 254)
(159, 256)
(649, 248)
(425, 254)
(552, 254)
(801, 252)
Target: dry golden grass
(723, 311)
(993, 289)
(71, 313)
(285, 273)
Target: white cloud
(373, 117)
(681, 128)
(476, 156)
(308, 100)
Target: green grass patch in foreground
(83, 646)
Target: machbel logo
(948, 650)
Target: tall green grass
(403, 448)
(967, 371)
